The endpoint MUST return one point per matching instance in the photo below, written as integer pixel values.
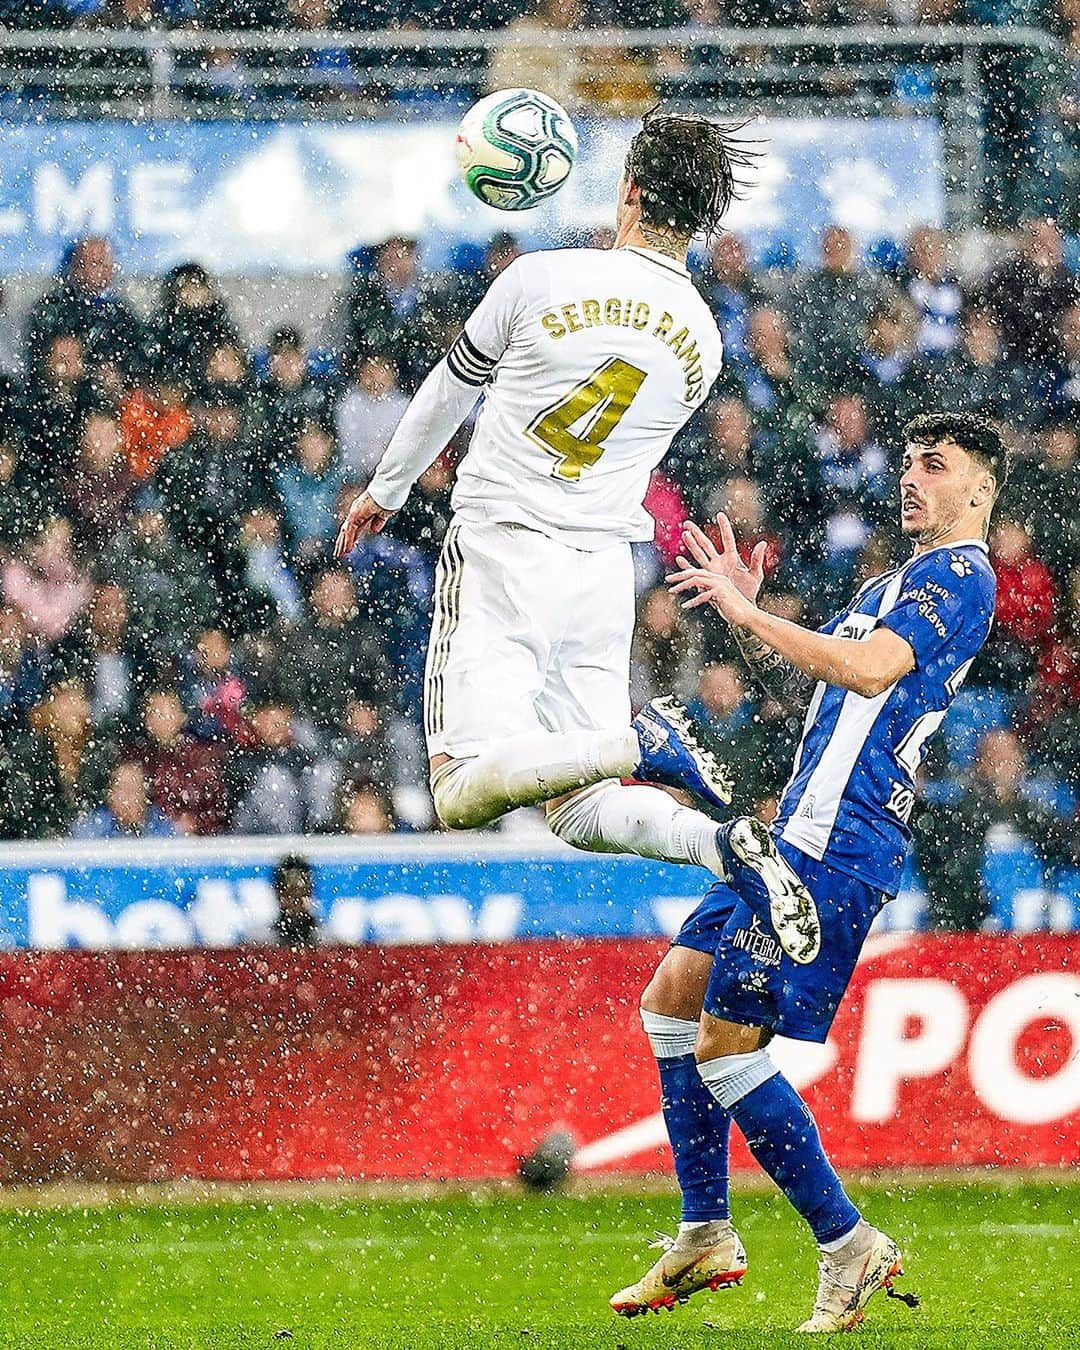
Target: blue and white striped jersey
(850, 796)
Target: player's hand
(365, 516)
(726, 562)
(711, 588)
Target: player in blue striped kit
(771, 948)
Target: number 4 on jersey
(599, 404)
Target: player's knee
(717, 1039)
(574, 818)
(459, 805)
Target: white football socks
(529, 770)
(643, 820)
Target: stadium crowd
(179, 653)
(347, 15)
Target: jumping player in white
(771, 949)
(589, 362)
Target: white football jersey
(590, 361)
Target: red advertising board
(453, 1061)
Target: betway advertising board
(271, 197)
(454, 1061)
(408, 890)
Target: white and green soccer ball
(516, 148)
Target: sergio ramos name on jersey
(579, 315)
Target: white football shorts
(528, 634)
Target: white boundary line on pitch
(178, 1246)
(1050, 1230)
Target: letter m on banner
(65, 208)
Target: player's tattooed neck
(663, 241)
(777, 676)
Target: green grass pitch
(996, 1263)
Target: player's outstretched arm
(437, 409)
(866, 667)
(778, 677)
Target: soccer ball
(516, 148)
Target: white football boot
(791, 906)
(848, 1278)
(709, 1256)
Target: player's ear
(985, 488)
(629, 192)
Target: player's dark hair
(686, 168)
(980, 438)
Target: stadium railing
(953, 73)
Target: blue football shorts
(753, 980)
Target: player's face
(938, 487)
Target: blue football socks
(697, 1125)
(698, 1128)
(784, 1138)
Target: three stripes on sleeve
(468, 363)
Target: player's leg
(754, 989)
(505, 598)
(586, 691)
(706, 1252)
(646, 821)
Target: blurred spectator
(732, 291)
(46, 584)
(226, 377)
(389, 311)
(216, 690)
(1024, 613)
(1029, 293)
(1066, 374)
(272, 591)
(854, 471)
(22, 675)
(153, 421)
(190, 321)
(331, 656)
(933, 291)
(667, 649)
(999, 799)
(52, 769)
(170, 592)
(103, 654)
(723, 702)
(1055, 710)
(367, 416)
(884, 364)
(831, 305)
(267, 778)
(768, 372)
(664, 502)
(185, 775)
(526, 63)
(58, 396)
(289, 396)
(308, 485)
(297, 922)
(206, 485)
(976, 376)
(1039, 484)
(364, 808)
(127, 812)
(84, 303)
(97, 493)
